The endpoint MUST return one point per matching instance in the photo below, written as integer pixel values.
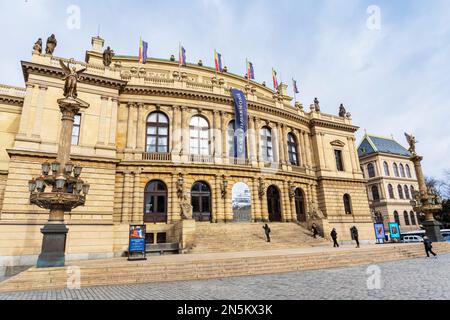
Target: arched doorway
(274, 204)
(155, 202)
(300, 205)
(241, 203)
(201, 201)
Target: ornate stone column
(140, 136)
(286, 217)
(217, 152)
(309, 151)
(130, 132)
(223, 128)
(101, 136)
(113, 126)
(258, 139)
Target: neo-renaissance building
(391, 182)
(156, 135)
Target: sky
(386, 61)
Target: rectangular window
(339, 163)
(76, 130)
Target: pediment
(337, 143)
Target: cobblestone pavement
(404, 280)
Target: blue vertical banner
(241, 118)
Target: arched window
(397, 217)
(408, 171)
(371, 170)
(348, 204)
(386, 169)
(413, 218)
(201, 201)
(396, 170)
(391, 191)
(418, 218)
(157, 133)
(406, 216)
(155, 202)
(375, 193)
(199, 136)
(293, 150)
(407, 196)
(300, 205)
(232, 139)
(412, 191)
(400, 192)
(402, 171)
(267, 144)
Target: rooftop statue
(108, 54)
(71, 77)
(316, 105)
(342, 111)
(38, 46)
(412, 143)
(51, 45)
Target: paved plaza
(407, 279)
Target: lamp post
(67, 190)
(425, 200)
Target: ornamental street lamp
(426, 201)
(67, 190)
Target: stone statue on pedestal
(412, 143)
(316, 105)
(108, 54)
(186, 209)
(37, 48)
(342, 111)
(51, 45)
(71, 78)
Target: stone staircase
(250, 237)
(212, 266)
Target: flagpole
(248, 71)
(216, 62)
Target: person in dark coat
(267, 232)
(314, 231)
(428, 246)
(334, 237)
(355, 235)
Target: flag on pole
(182, 60)
(275, 80)
(294, 85)
(218, 61)
(143, 47)
(250, 71)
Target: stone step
(118, 271)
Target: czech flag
(250, 71)
(182, 60)
(218, 61)
(294, 84)
(143, 47)
(275, 80)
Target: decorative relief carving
(337, 143)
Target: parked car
(412, 239)
(447, 239)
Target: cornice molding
(33, 68)
(40, 154)
(14, 101)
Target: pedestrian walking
(334, 237)
(314, 230)
(267, 231)
(355, 235)
(428, 246)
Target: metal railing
(157, 156)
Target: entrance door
(201, 202)
(241, 203)
(300, 205)
(273, 204)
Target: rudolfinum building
(157, 139)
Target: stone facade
(112, 146)
(392, 170)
